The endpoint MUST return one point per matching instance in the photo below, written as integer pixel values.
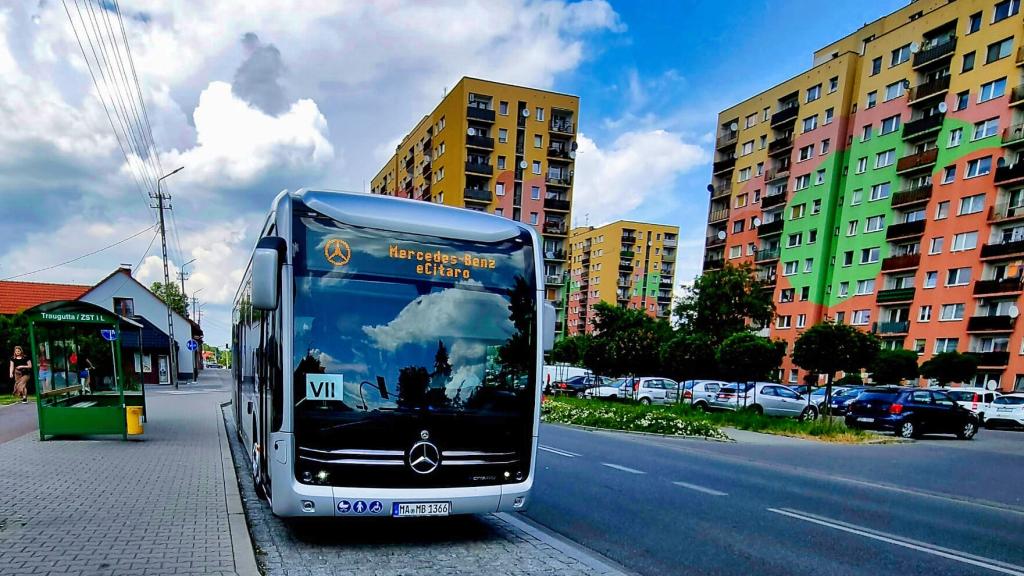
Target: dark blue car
(911, 412)
(840, 401)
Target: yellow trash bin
(134, 415)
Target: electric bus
(387, 357)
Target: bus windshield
(395, 332)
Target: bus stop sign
(109, 335)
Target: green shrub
(631, 417)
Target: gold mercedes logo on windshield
(337, 252)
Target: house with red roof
(20, 296)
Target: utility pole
(172, 358)
(182, 275)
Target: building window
(833, 84)
(502, 135)
(735, 251)
(802, 182)
(748, 148)
(999, 50)
(857, 196)
(958, 277)
(535, 192)
(533, 218)
(936, 245)
(759, 168)
(797, 211)
(887, 158)
(783, 322)
(536, 167)
(861, 317)
(826, 145)
(503, 108)
(848, 258)
(805, 293)
(951, 312)
(539, 114)
(830, 115)
(124, 307)
(946, 345)
(865, 134)
(890, 124)
(763, 142)
(978, 167)
(812, 236)
(750, 120)
(894, 90)
(1005, 9)
(499, 212)
(955, 135)
(963, 100)
(872, 100)
(865, 287)
(992, 90)
(919, 345)
(948, 174)
(844, 289)
(801, 321)
(862, 165)
(986, 128)
(787, 294)
(974, 23)
(851, 228)
(816, 204)
(813, 93)
(924, 314)
(501, 162)
(538, 141)
(879, 191)
(869, 255)
(499, 189)
(805, 153)
(737, 226)
(876, 65)
(811, 122)
(794, 240)
(900, 55)
(931, 278)
(965, 241)
(874, 223)
(968, 62)
(790, 268)
(741, 201)
(972, 204)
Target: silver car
(700, 393)
(652, 390)
(765, 398)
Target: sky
(253, 97)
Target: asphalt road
(17, 420)
(780, 506)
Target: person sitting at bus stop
(21, 373)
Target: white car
(653, 390)
(613, 390)
(700, 393)
(977, 400)
(766, 398)
(1006, 410)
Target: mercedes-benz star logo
(337, 252)
(424, 458)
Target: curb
(590, 559)
(242, 547)
(596, 429)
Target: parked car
(977, 400)
(552, 374)
(1006, 410)
(818, 395)
(611, 390)
(841, 401)
(766, 398)
(577, 385)
(653, 390)
(700, 393)
(911, 412)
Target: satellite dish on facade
(572, 154)
(734, 127)
(942, 107)
(757, 221)
(523, 164)
(914, 47)
(526, 112)
(906, 84)
(711, 188)
(991, 385)
(721, 234)
(471, 131)
(574, 145)
(1013, 311)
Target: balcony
(477, 195)
(557, 205)
(787, 114)
(554, 228)
(777, 174)
(627, 254)
(1009, 173)
(623, 282)
(769, 228)
(670, 243)
(558, 179)
(1002, 250)
(554, 279)
(893, 327)
(904, 230)
(928, 89)
(1002, 286)
(780, 145)
(477, 113)
(1004, 212)
(905, 262)
(922, 126)
(772, 201)
(991, 359)
(917, 161)
(894, 295)
(990, 324)
(480, 142)
(664, 296)
(666, 280)
(559, 152)
(562, 126)
(723, 165)
(625, 266)
(1017, 96)
(1014, 135)
(721, 191)
(479, 168)
(727, 139)
(629, 237)
(935, 53)
(554, 255)
(718, 215)
(714, 263)
(767, 255)
(916, 195)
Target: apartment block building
(631, 264)
(508, 150)
(884, 187)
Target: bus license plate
(409, 509)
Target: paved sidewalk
(108, 507)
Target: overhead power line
(76, 259)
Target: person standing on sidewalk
(21, 372)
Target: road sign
(191, 345)
(109, 335)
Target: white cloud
(637, 166)
(450, 313)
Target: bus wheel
(257, 475)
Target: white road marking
(700, 489)
(558, 451)
(948, 553)
(623, 468)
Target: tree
(571, 349)
(626, 341)
(827, 348)
(892, 366)
(744, 357)
(689, 356)
(720, 303)
(172, 295)
(949, 367)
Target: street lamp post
(195, 308)
(172, 355)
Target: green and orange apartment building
(499, 148)
(884, 188)
(625, 263)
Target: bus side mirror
(547, 317)
(266, 266)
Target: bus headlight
(321, 476)
(307, 476)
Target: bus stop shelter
(79, 372)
